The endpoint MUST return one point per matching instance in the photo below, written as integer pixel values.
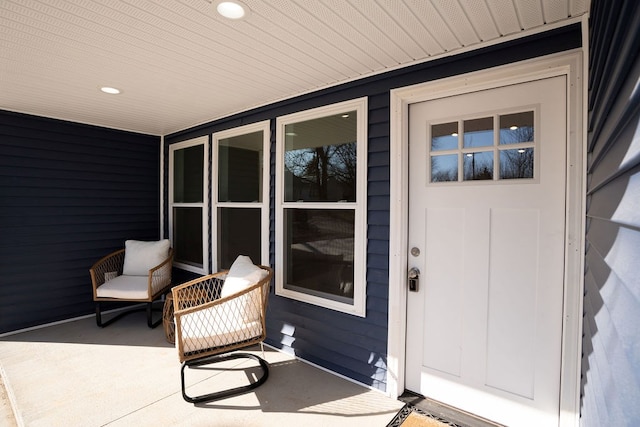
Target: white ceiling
(180, 64)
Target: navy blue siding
(611, 338)
(353, 346)
(69, 194)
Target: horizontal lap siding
(69, 194)
(611, 338)
(349, 345)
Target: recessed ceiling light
(110, 90)
(232, 9)
(513, 127)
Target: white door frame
(569, 64)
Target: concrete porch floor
(76, 374)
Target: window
(496, 147)
(240, 192)
(188, 201)
(321, 206)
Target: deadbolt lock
(413, 276)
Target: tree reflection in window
(320, 159)
(517, 128)
(515, 164)
(321, 218)
(480, 152)
(444, 168)
(478, 166)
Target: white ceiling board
(480, 18)
(180, 64)
(457, 21)
(506, 17)
(554, 10)
(529, 13)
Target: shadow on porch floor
(76, 374)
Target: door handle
(413, 276)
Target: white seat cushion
(206, 329)
(140, 257)
(125, 287)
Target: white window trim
(264, 205)
(360, 207)
(203, 140)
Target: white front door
(487, 174)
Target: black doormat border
(408, 408)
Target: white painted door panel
(484, 330)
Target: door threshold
(452, 415)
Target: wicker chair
(137, 274)
(218, 314)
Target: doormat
(410, 416)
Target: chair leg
(229, 392)
(150, 321)
(99, 316)
(102, 324)
(149, 310)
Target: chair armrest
(160, 275)
(198, 291)
(112, 262)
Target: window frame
(264, 127)
(204, 205)
(496, 148)
(358, 308)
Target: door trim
(569, 64)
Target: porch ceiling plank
(458, 21)
(338, 26)
(394, 40)
(577, 7)
(506, 17)
(179, 64)
(288, 31)
(555, 10)
(426, 44)
(436, 24)
(480, 18)
(404, 35)
(529, 13)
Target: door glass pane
(240, 168)
(239, 233)
(444, 136)
(444, 168)
(188, 165)
(319, 252)
(478, 165)
(187, 235)
(320, 159)
(478, 132)
(515, 128)
(516, 164)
